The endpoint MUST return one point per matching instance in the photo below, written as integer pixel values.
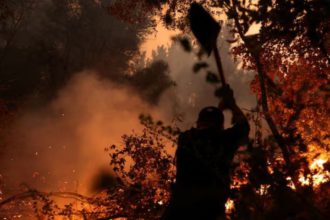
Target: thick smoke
(65, 120)
(61, 146)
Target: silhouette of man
(203, 158)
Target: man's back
(204, 156)
(203, 160)
(202, 182)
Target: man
(203, 158)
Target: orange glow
(319, 174)
(229, 206)
(158, 37)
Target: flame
(318, 174)
(318, 163)
(229, 206)
(290, 183)
(263, 190)
(242, 179)
(317, 177)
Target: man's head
(210, 117)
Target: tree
(44, 43)
(151, 81)
(284, 24)
(291, 62)
(290, 56)
(143, 173)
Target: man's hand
(228, 102)
(227, 97)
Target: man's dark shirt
(205, 155)
(203, 160)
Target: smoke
(61, 146)
(193, 92)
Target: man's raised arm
(240, 123)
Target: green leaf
(212, 77)
(184, 41)
(198, 66)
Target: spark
(263, 190)
(290, 183)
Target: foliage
(261, 176)
(145, 165)
(151, 81)
(200, 65)
(290, 55)
(278, 19)
(44, 43)
(144, 170)
(301, 109)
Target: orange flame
(229, 206)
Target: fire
(290, 183)
(263, 190)
(243, 178)
(318, 163)
(229, 206)
(319, 174)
